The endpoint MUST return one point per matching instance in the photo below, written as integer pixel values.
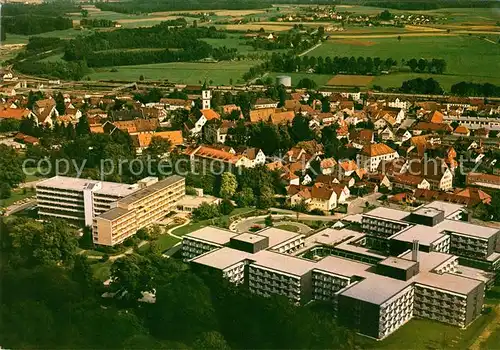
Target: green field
(420, 334)
(462, 54)
(232, 41)
(178, 72)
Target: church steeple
(206, 96)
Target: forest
(52, 301)
(97, 23)
(30, 24)
(474, 89)
(160, 43)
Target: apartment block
(375, 297)
(384, 222)
(151, 202)
(274, 273)
(115, 211)
(78, 200)
(204, 240)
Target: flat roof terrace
(76, 184)
(222, 258)
(213, 235)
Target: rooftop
(428, 261)
(467, 229)
(144, 192)
(376, 289)
(448, 208)
(77, 184)
(277, 236)
(222, 258)
(212, 235)
(400, 263)
(388, 213)
(250, 237)
(447, 281)
(341, 266)
(113, 214)
(284, 263)
(424, 234)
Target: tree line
(434, 66)
(421, 86)
(97, 22)
(30, 24)
(475, 89)
(430, 5)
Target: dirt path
(490, 328)
(309, 50)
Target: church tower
(206, 96)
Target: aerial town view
(250, 174)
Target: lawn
(427, 334)
(193, 226)
(101, 270)
(462, 54)
(178, 72)
(286, 227)
(16, 195)
(163, 243)
(232, 41)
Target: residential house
(254, 155)
(371, 155)
(143, 140)
(461, 130)
(387, 134)
(426, 127)
(410, 182)
(435, 171)
(173, 104)
(328, 166)
(212, 154)
(26, 139)
(222, 131)
(483, 180)
(265, 103)
(323, 197)
(361, 138)
(347, 168)
(229, 109)
(15, 113)
(133, 127)
(45, 110)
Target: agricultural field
(350, 80)
(462, 54)
(178, 72)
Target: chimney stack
(414, 251)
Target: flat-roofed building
(384, 222)
(276, 273)
(151, 202)
(204, 240)
(229, 263)
(78, 200)
(448, 298)
(376, 306)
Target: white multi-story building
(77, 199)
